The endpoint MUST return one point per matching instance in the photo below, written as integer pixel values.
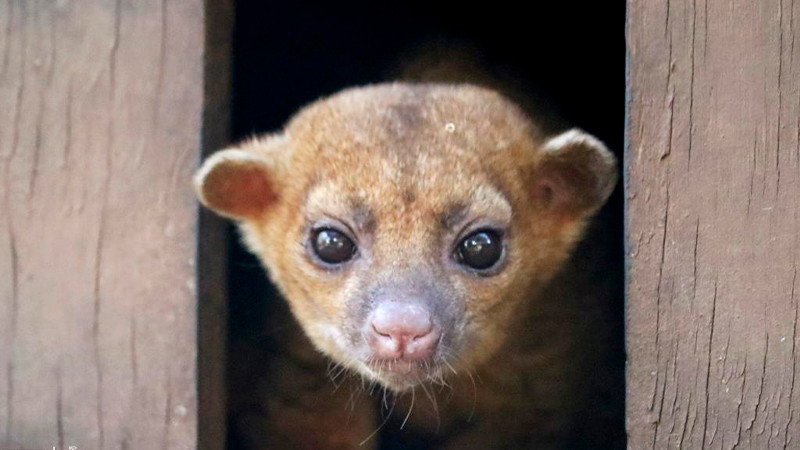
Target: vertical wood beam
(101, 126)
(713, 208)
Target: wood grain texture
(100, 129)
(713, 197)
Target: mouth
(400, 374)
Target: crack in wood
(7, 38)
(780, 99)
(134, 355)
(794, 347)
(37, 146)
(691, 84)
(162, 60)
(167, 416)
(10, 230)
(708, 367)
(69, 113)
(60, 406)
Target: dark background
(287, 54)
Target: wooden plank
(100, 129)
(713, 201)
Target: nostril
(423, 334)
(380, 333)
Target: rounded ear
(575, 175)
(236, 183)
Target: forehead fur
(429, 140)
(398, 117)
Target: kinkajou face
(406, 224)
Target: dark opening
(572, 54)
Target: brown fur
(405, 168)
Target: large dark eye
(332, 246)
(480, 250)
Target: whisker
(411, 408)
(354, 396)
(435, 407)
(474, 396)
(373, 384)
(450, 366)
(385, 419)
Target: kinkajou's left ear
(575, 175)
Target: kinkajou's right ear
(237, 182)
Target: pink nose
(399, 330)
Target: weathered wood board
(713, 204)
(101, 126)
